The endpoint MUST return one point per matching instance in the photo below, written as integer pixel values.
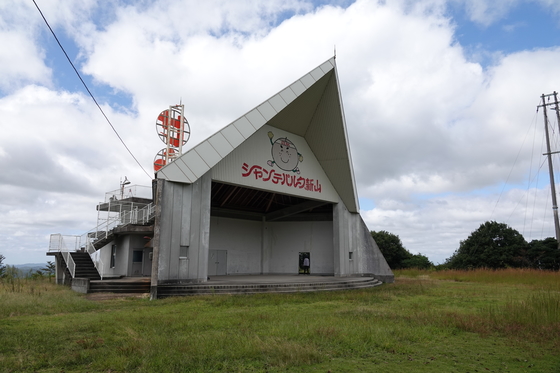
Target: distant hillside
(27, 267)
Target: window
(350, 255)
(183, 252)
(113, 255)
(137, 256)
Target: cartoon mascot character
(284, 154)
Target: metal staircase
(85, 268)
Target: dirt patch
(111, 296)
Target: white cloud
(21, 61)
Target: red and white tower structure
(174, 130)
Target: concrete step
(352, 281)
(182, 290)
(201, 292)
(90, 275)
(119, 287)
(273, 285)
(86, 270)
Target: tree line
(396, 255)
(493, 245)
(11, 271)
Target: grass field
(447, 321)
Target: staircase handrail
(98, 262)
(99, 266)
(57, 243)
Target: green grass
(422, 323)
(531, 277)
(39, 296)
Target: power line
(87, 89)
(511, 170)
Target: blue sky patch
(366, 204)
(65, 78)
(519, 30)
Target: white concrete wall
(242, 239)
(351, 235)
(136, 242)
(125, 246)
(277, 243)
(121, 260)
(182, 219)
(287, 239)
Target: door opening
(304, 263)
(147, 262)
(137, 256)
(217, 263)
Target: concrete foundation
(80, 285)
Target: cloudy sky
(440, 99)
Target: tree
(391, 247)
(395, 254)
(417, 261)
(49, 269)
(492, 245)
(543, 254)
(2, 266)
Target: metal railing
(94, 254)
(129, 191)
(64, 244)
(134, 216)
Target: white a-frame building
(265, 192)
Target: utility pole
(549, 155)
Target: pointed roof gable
(311, 107)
